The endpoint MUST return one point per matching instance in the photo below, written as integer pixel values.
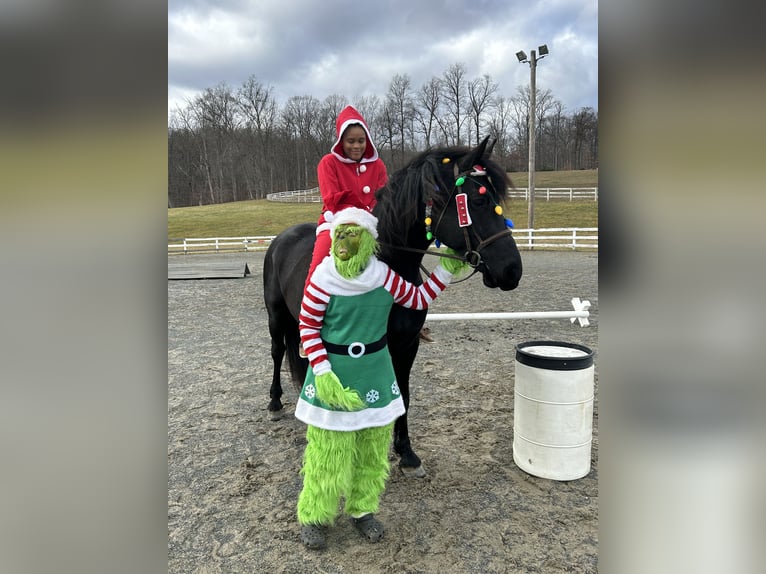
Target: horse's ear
(474, 158)
(490, 146)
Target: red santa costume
(344, 182)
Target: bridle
(472, 255)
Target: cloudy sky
(354, 48)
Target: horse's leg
(277, 333)
(409, 462)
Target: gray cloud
(320, 48)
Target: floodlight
(543, 50)
(521, 56)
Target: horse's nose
(509, 277)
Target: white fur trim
(349, 420)
(327, 278)
(358, 216)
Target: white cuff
(322, 368)
(442, 274)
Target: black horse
(429, 189)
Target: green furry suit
(350, 398)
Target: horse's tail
(298, 365)
(284, 275)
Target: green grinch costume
(350, 398)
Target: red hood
(349, 116)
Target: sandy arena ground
(233, 477)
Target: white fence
(297, 196)
(551, 238)
(219, 244)
(546, 193)
(549, 193)
(557, 238)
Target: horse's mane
(401, 202)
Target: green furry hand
(453, 266)
(331, 391)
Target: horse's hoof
(276, 415)
(413, 472)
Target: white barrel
(553, 409)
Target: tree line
(231, 144)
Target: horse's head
(466, 211)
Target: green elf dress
(343, 326)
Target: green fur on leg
(327, 465)
(370, 470)
(331, 391)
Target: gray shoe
(313, 536)
(369, 527)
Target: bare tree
(184, 181)
(300, 119)
(553, 130)
(385, 127)
(426, 104)
(585, 130)
(257, 105)
(257, 160)
(371, 108)
(400, 108)
(328, 114)
(499, 125)
(480, 92)
(217, 115)
(544, 103)
(455, 94)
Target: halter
(472, 256)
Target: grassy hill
(262, 217)
(571, 178)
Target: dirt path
(233, 475)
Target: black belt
(356, 349)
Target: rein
(462, 258)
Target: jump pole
(580, 314)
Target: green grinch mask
(352, 247)
(345, 244)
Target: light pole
(532, 102)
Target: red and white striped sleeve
(310, 322)
(412, 297)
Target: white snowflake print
(395, 389)
(310, 391)
(372, 396)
